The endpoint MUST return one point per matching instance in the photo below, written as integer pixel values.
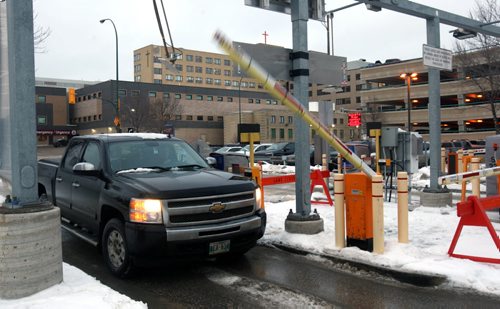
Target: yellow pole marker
(403, 207)
(378, 214)
(276, 90)
(338, 186)
(475, 182)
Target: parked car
(276, 152)
(228, 149)
(360, 149)
(146, 198)
(256, 147)
(62, 142)
(290, 159)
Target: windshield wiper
(190, 165)
(161, 168)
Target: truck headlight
(145, 210)
(258, 198)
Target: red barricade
(472, 212)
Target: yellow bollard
(443, 160)
(338, 180)
(460, 156)
(403, 207)
(378, 214)
(475, 182)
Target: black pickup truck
(149, 197)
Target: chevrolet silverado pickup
(149, 197)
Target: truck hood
(186, 183)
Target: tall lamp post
(117, 120)
(408, 77)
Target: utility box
(389, 137)
(452, 163)
(359, 217)
(492, 149)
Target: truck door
(86, 190)
(64, 177)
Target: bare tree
(162, 110)
(478, 58)
(40, 35)
(135, 113)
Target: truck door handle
(58, 179)
(75, 185)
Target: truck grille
(209, 209)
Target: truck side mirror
(85, 169)
(211, 161)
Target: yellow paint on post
(403, 207)
(338, 186)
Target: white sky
(79, 47)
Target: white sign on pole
(437, 57)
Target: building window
(236, 83)
(217, 81)
(282, 119)
(199, 97)
(290, 134)
(229, 99)
(244, 84)
(208, 80)
(121, 92)
(227, 72)
(282, 133)
(42, 120)
(157, 81)
(227, 83)
(199, 70)
(273, 119)
(209, 70)
(220, 118)
(250, 100)
(189, 96)
(189, 57)
(227, 62)
(189, 117)
(220, 99)
(199, 117)
(341, 120)
(137, 57)
(198, 59)
(217, 71)
(210, 98)
(251, 85)
(137, 78)
(178, 67)
(348, 78)
(358, 99)
(178, 78)
(42, 99)
(217, 61)
(157, 71)
(178, 117)
(135, 93)
(268, 101)
(177, 95)
(210, 118)
(199, 80)
(137, 68)
(169, 77)
(290, 119)
(166, 95)
(189, 68)
(189, 79)
(257, 101)
(209, 60)
(152, 94)
(273, 133)
(358, 76)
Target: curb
(420, 279)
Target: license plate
(219, 247)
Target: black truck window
(92, 155)
(72, 155)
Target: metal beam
(427, 12)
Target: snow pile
(77, 290)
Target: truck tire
(114, 249)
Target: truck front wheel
(114, 249)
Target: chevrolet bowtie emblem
(217, 207)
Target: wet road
(264, 278)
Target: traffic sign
(437, 57)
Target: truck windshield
(158, 154)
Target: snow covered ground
(430, 233)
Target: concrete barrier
(30, 250)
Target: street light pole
(117, 102)
(408, 77)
